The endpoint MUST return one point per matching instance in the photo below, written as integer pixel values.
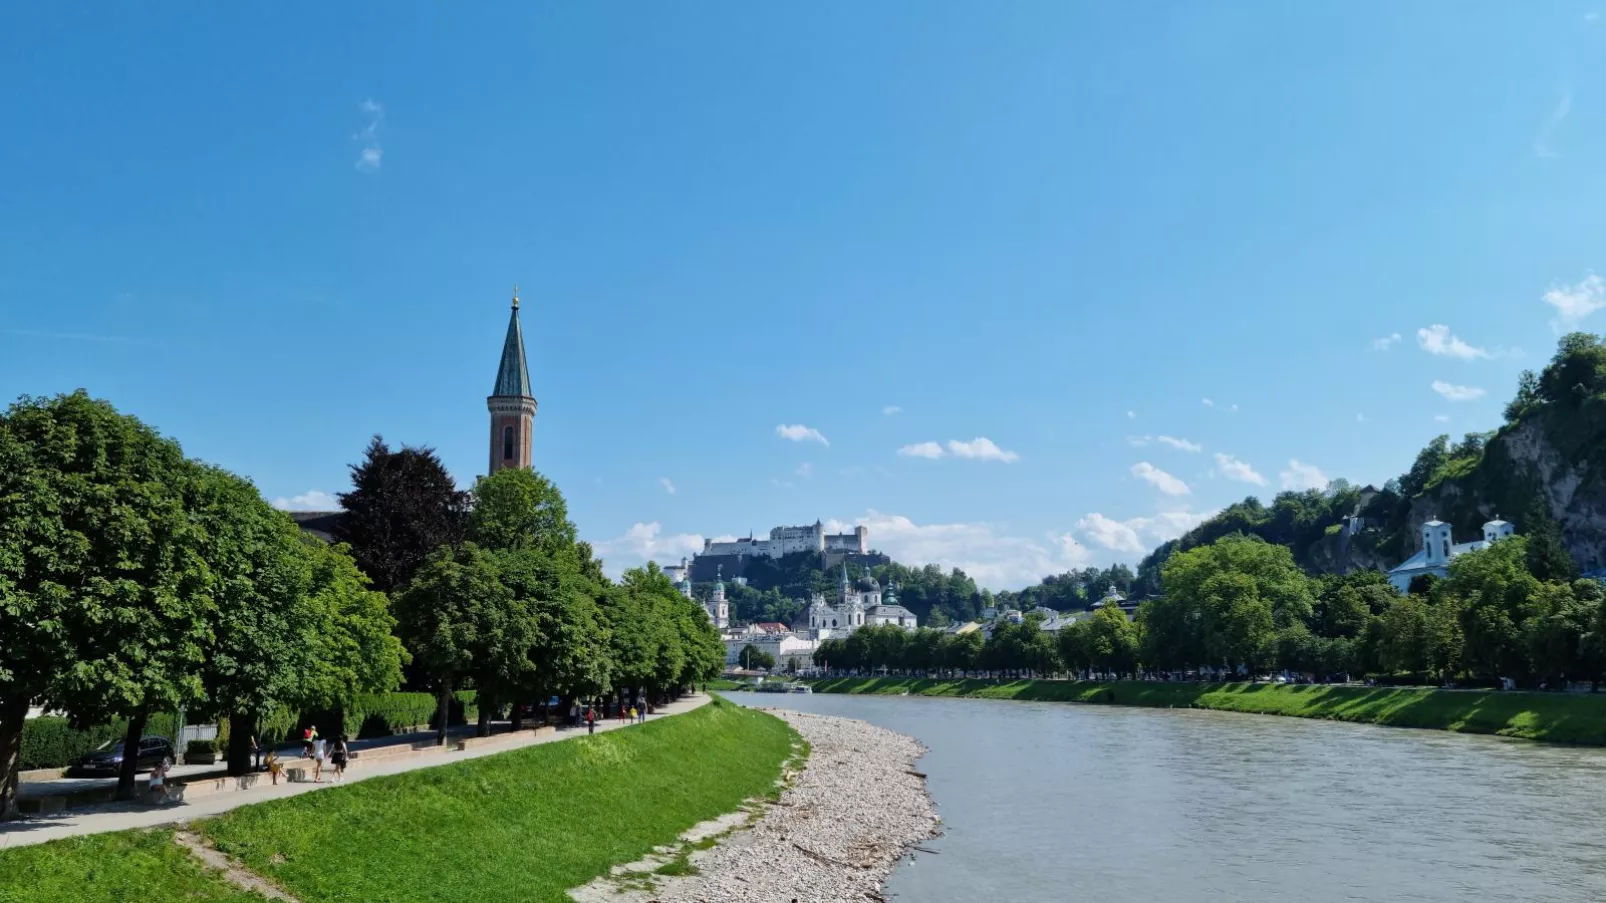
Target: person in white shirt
(318, 751)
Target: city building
(717, 608)
(861, 606)
(1439, 549)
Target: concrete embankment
(1550, 717)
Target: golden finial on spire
(515, 296)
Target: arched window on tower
(507, 443)
(1447, 549)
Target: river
(1054, 802)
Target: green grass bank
(1549, 717)
(524, 825)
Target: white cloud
(1437, 339)
(1183, 444)
(1564, 105)
(982, 449)
(890, 409)
(1139, 441)
(1207, 402)
(987, 552)
(797, 432)
(1136, 536)
(1386, 342)
(1457, 393)
(1575, 302)
(1592, 16)
(805, 469)
(1234, 469)
(668, 485)
(368, 158)
(1300, 477)
(921, 450)
(646, 542)
(311, 500)
(1442, 418)
(1159, 479)
(1360, 418)
(1131, 415)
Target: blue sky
(1011, 240)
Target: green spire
(513, 375)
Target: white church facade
(1439, 548)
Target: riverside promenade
(123, 816)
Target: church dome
(868, 582)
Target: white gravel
(836, 834)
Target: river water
(1053, 802)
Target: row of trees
(1241, 605)
(134, 580)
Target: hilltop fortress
(790, 540)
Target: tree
(1429, 461)
(1492, 588)
(1576, 372)
(460, 620)
(104, 601)
(1235, 592)
(753, 658)
(1548, 558)
(403, 505)
(1527, 398)
(516, 508)
(1109, 641)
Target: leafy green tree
(1344, 604)
(1576, 372)
(1548, 558)
(1493, 588)
(754, 658)
(1238, 590)
(1405, 644)
(1429, 461)
(402, 507)
(461, 621)
(1527, 398)
(1109, 640)
(516, 508)
(104, 591)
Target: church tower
(511, 405)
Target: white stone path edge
(74, 823)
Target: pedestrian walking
(317, 760)
(339, 756)
(308, 735)
(256, 754)
(632, 713)
(591, 720)
(641, 715)
(274, 767)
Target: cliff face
(1555, 454)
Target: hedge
(52, 742)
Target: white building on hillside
(717, 609)
(790, 540)
(1438, 549)
(866, 606)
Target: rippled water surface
(1058, 802)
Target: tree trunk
(131, 738)
(517, 715)
(483, 729)
(13, 712)
(445, 711)
(241, 729)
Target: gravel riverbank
(835, 835)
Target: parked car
(107, 759)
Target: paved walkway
(122, 816)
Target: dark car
(108, 758)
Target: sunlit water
(1061, 802)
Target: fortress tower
(511, 405)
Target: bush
(200, 748)
(52, 742)
(384, 714)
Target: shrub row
(52, 742)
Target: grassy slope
(526, 825)
(523, 825)
(1554, 717)
(110, 868)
